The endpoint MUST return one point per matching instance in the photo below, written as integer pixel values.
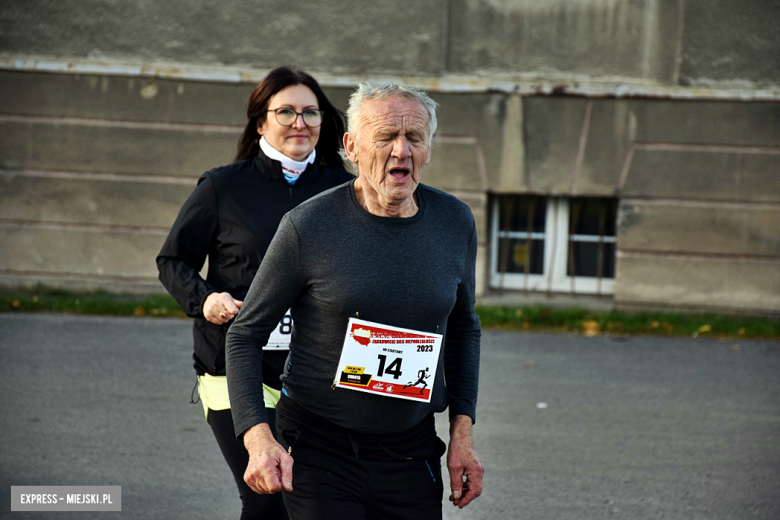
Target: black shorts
(340, 474)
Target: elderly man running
(379, 274)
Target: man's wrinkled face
(391, 149)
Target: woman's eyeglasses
(287, 116)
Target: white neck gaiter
(290, 168)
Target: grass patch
(541, 319)
(95, 303)
(614, 322)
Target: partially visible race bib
(280, 337)
(388, 361)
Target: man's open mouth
(399, 173)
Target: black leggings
(253, 506)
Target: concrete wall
(93, 170)
(664, 42)
(699, 190)
(110, 111)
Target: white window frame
(556, 249)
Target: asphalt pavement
(568, 427)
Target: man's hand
(270, 467)
(462, 461)
(220, 308)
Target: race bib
(388, 361)
(280, 337)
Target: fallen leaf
(590, 328)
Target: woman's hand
(220, 308)
(270, 466)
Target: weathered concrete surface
(636, 427)
(717, 43)
(477, 123)
(708, 228)
(576, 146)
(340, 37)
(713, 283)
(712, 174)
(105, 200)
(637, 39)
(552, 128)
(730, 40)
(52, 249)
(123, 98)
(751, 124)
(77, 282)
(466, 153)
(608, 131)
(659, 148)
(82, 146)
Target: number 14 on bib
(389, 361)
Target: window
(554, 244)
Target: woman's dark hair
(331, 131)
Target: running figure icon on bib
(422, 375)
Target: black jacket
(231, 218)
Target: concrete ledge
(508, 298)
(81, 251)
(709, 173)
(710, 228)
(98, 146)
(525, 83)
(730, 284)
(123, 98)
(90, 199)
(706, 122)
(81, 283)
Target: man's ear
(349, 147)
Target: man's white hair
(372, 92)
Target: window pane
(518, 256)
(593, 216)
(585, 258)
(522, 213)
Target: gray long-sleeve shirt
(331, 260)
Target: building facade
(615, 153)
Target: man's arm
(270, 466)
(463, 461)
(273, 291)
